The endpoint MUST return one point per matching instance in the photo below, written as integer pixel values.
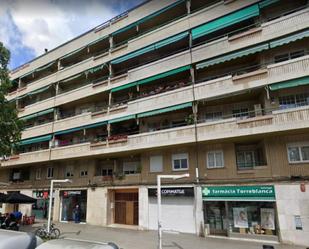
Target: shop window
(215, 159)
(156, 163)
(292, 101)
(83, 173)
(38, 174)
(130, 168)
(69, 171)
(298, 153)
(50, 172)
(180, 161)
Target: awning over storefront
(290, 83)
(116, 120)
(233, 55)
(240, 193)
(266, 3)
(34, 115)
(163, 110)
(35, 140)
(80, 128)
(226, 21)
(146, 18)
(151, 48)
(288, 39)
(152, 78)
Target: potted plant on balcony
(190, 119)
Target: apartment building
(216, 89)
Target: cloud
(33, 25)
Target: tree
(10, 125)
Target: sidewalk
(133, 239)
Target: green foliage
(10, 125)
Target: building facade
(216, 89)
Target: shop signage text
(238, 192)
(172, 192)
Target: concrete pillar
(97, 206)
(56, 208)
(143, 208)
(199, 216)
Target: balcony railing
(250, 165)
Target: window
(130, 168)
(250, 155)
(180, 161)
(83, 173)
(215, 159)
(38, 174)
(106, 172)
(241, 113)
(50, 172)
(213, 116)
(298, 153)
(69, 171)
(291, 101)
(156, 164)
(289, 56)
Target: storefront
(177, 206)
(73, 205)
(40, 207)
(240, 211)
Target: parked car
(18, 240)
(76, 244)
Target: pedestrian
(76, 214)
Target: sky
(27, 27)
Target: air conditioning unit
(258, 110)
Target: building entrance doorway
(126, 207)
(215, 216)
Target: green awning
(34, 115)
(232, 56)
(116, 120)
(152, 78)
(265, 3)
(46, 66)
(40, 90)
(163, 110)
(290, 83)
(225, 21)
(96, 69)
(171, 40)
(80, 128)
(163, 75)
(72, 78)
(72, 53)
(98, 40)
(119, 88)
(288, 39)
(151, 16)
(150, 48)
(35, 140)
(27, 74)
(146, 18)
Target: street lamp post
(159, 177)
(51, 199)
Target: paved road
(132, 239)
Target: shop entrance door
(126, 208)
(215, 217)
